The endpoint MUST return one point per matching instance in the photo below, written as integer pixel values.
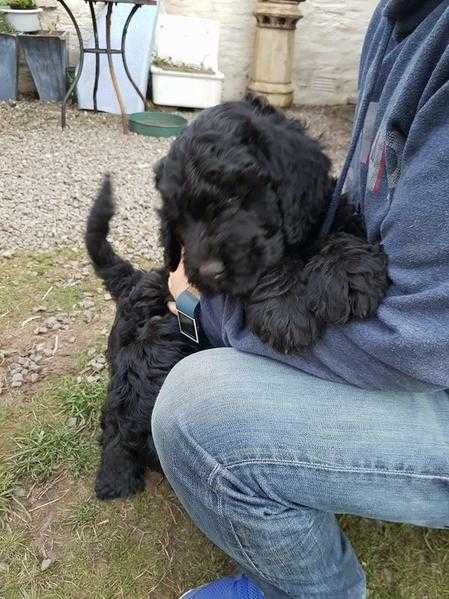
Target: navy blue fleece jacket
(397, 172)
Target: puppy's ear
(304, 193)
(259, 104)
(167, 237)
(170, 244)
(158, 169)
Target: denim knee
(180, 412)
(172, 397)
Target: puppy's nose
(213, 269)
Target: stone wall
(328, 42)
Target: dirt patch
(45, 335)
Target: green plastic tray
(156, 124)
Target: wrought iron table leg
(80, 66)
(112, 71)
(97, 56)
(125, 64)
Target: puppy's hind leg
(122, 466)
(121, 474)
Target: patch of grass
(64, 298)
(7, 485)
(401, 562)
(19, 562)
(84, 357)
(56, 432)
(130, 549)
(84, 514)
(82, 400)
(27, 280)
(46, 449)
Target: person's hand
(177, 283)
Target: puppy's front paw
(367, 289)
(283, 324)
(346, 280)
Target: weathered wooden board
(46, 56)
(9, 66)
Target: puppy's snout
(213, 269)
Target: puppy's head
(242, 187)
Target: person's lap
(259, 452)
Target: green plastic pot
(156, 124)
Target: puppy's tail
(117, 274)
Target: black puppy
(143, 346)
(245, 190)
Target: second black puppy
(144, 344)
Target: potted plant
(186, 74)
(185, 85)
(23, 15)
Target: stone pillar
(273, 54)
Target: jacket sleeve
(406, 346)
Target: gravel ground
(48, 178)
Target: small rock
(7, 254)
(33, 377)
(86, 303)
(388, 576)
(41, 331)
(40, 309)
(16, 384)
(72, 339)
(107, 296)
(45, 564)
(72, 422)
(4, 567)
(17, 376)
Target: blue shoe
(231, 587)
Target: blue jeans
(263, 456)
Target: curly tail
(118, 275)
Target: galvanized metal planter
(46, 56)
(9, 66)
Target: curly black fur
(143, 346)
(245, 190)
